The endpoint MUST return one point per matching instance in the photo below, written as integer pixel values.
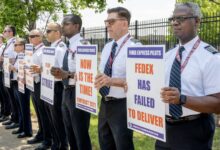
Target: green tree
(24, 13)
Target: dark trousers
(76, 122)
(24, 102)
(16, 111)
(4, 100)
(56, 119)
(44, 131)
(192, 135)
(112, 126)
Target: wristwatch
(69, 75)
(183, 99)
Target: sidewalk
(9, 141)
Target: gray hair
(195, 9)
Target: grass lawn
(141, 142)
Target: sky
(140, 10)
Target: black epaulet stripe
(211, 49)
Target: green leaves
(24, 13)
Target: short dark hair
(13, 29)
(122, 12)
(75, 19)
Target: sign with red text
(21, 80)
(145, 78)
(29, 79)
(47, 80)
(6, 65)
(86, 69)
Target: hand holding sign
(102, 80)
(35, 69)
(170, 95)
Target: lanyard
(7, 45)
(38, 47)
(195, 46)
(112, 59)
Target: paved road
(9, 141)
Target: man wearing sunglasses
(112, 125)
(76, 121)
(192, 91)
(9, 35)
(43, 135)
(53, 35)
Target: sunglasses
(34, 36)
(7, 31)
(180, 19)
(112, 21)
(18, 45)
(67, 23)
(48, 31)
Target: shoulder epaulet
(135, 40)
(61, 44)
(84, 42)
(211, 49)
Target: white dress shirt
(60, 49)
(201, 75)
(119, 64)
(10, 48)
(37, 59)
(74, 42)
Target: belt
(68, 86)
(170, 119)
(112, 98)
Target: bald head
(54, 26)
(35, 37)
(53, 32)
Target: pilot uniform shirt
(60, 49)
(15, 77)
(119, 63)
(74, 42)
(37, 60)
(10, 48)
(200, 76)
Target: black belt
(170, 119)
(112, 98)
(68, 86)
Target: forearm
(119, 82)
(205, 104)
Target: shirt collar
(189, 45)
(119, 42)
(39, 45)
(74, 38)
(10, 40)
(54, 44)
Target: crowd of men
(192, 91)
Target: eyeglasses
(67, 23)
(180, 19)
(34, 36)
(112, 21)
(48, 31)
(18, 45)
(7, 31)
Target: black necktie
(65, 64)
(108, 70)
(175, 81)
